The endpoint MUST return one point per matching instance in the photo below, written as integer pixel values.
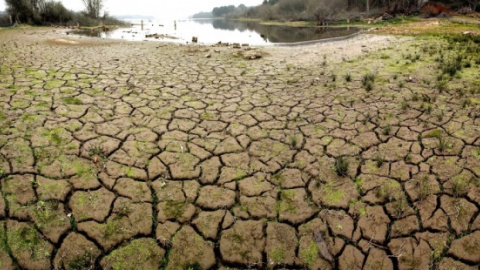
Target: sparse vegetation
(459, 186)
(341, 166)
(443, 143)
(309, 254)
(423, 187)
(82, 261)
(367, 81)
(293, 141)
(72, 101)
(386, 130)
(379, 160)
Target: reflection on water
(213, 31)
(284, 34)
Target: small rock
(208, 55)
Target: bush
(367, 81)
(55, 12)
(434, 9)
(4, 20)
(112, 21)
(82, 20)
(341, 166)
(452, 66)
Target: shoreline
(358, 44)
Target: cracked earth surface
(120, 155)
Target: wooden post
(141, 22)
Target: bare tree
(473, 4)
(350, 4)
(322, 10)
(93, 7)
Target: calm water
(214, 31)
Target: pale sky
(156, 8)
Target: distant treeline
(47, 12)
(324, 10)
(223, 11)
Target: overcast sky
(157, 8)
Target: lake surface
(211, 31)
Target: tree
(223, 10)
(93, 8)
(270, 2)
(322, 10)
(473, 4)
(26, 10)
(55, 12)
(349, 4)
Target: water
(211, 31)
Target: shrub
(442, 86)
(379, 160)
(386, 130)
(452, 67)
(431, 9)
(4, 19)
(341, 166)
(367, 81)
(55, 12)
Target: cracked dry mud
(145, 155)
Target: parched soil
(355, 154)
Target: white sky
(156, 8)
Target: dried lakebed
(354, 154)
